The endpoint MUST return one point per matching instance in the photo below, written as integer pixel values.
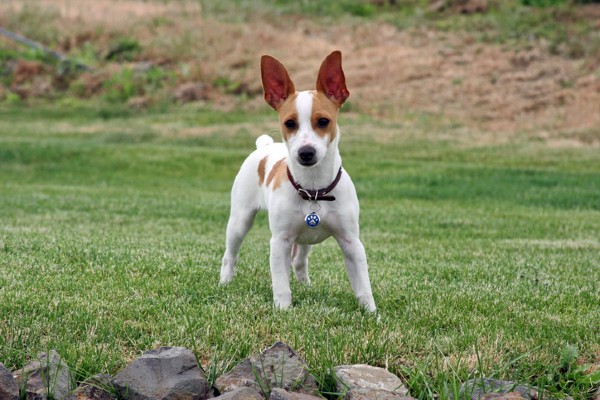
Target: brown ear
(331, 80)
(276, 82)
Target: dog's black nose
(306, 155)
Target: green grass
(484, 259)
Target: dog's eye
(290, 124)
(322, 122)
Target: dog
(301, 183)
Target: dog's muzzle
(306, 156)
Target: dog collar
(315, 195)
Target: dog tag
(312, 220)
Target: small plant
(124, 50)
(327, 383)
(129, 83)
(121, 86)
(571, 376)
(543, 3)
(264, 385)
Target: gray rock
(282, 394)
(49, 375)
(367, 382)
(166, 373)
(503, 396)
(9, 390)
(277, 367)
(476, 389)
(283, 368)
(242, 375)
(99, 387)
(375, 394)
(243, 393)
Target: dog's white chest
(315, 234)
(312, 235)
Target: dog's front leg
(280, 261)
(358, 271)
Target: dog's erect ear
(276, 82)
(331, 80)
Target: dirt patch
(390, 72)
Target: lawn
(484, 254)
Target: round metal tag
(312, 220)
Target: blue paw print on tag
(312, 220)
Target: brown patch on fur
(278, 174)
(261, 170)
(323, 107)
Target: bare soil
(390, 72)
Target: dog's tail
(264, 140)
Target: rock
(477, 389)
(503, 396)
(285, 369)
(99, 387)
(243, 374)
(164, 373)
(243, 393)
(367, 382)
(375, 394)
(49, 375)
(191, 91)
(9, 390)
(281, 394)
(278, 366)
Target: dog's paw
(303, 278)
(283, 303)
(226, 277)
(368, 303)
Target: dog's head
(308, 119)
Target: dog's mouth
(307, 163)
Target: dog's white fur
(260, 185)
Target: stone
(277, 367)
(477, 389)
(164, 373)
(99, 387)
(285, 369)
(242, 393)
(375, 394)
(367, 382)
(243, 374)
(282, 394)
(9, 390)
(503, 396)
(49, 375)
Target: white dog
(301, 182)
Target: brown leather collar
(315, 195)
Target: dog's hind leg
(300, 254)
